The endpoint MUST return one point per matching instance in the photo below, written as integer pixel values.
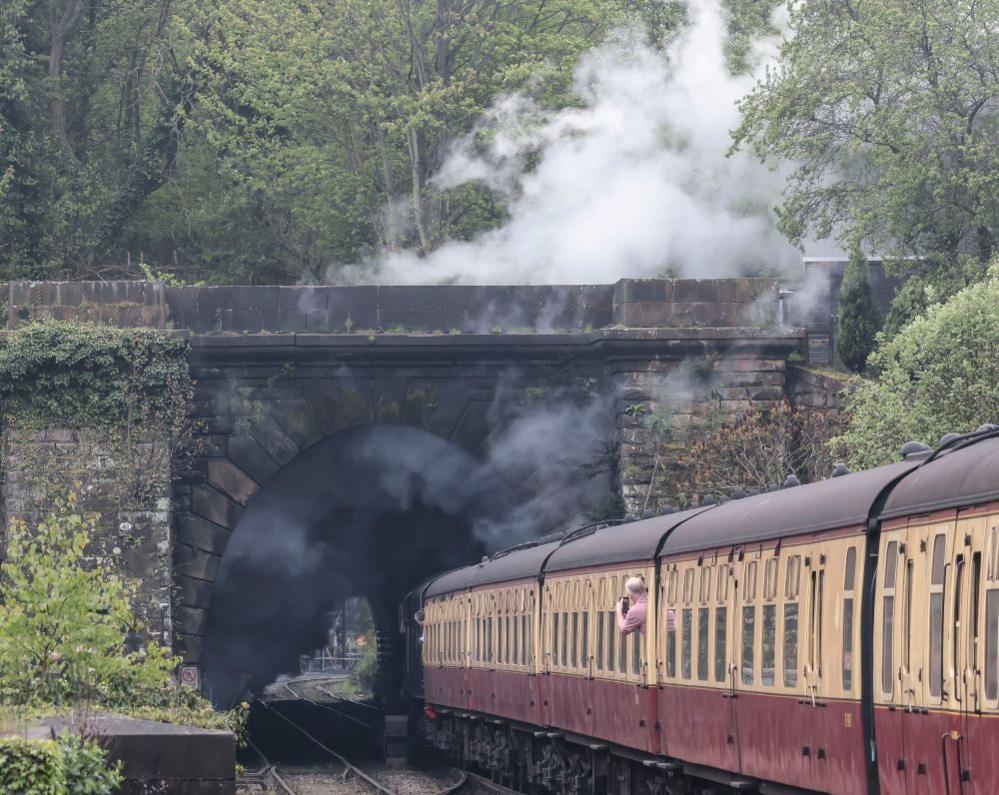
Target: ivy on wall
(77, 375)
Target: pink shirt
(637, 614)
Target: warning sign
(190, 677)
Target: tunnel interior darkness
(370, 512)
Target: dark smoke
(375, 510)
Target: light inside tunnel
(367, 512)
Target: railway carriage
(841, 637)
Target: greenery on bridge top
(77, 375)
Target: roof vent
(707, 499)
(840, 469)
(667, 508)
(752, 492)
(484, 561)
(986, 428)
(738, 494)
(648, 514)
(914, 449)
(947, 438)
(790, 482)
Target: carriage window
(792, 575)
(636, 652)
(584, 654)
(688, 586)
(770, 579)
(705, 593)
(992, 644)
(575, 640)
(768, 650)
(526, 645)
(687, 628)
(611, 640)
(622, 653)
(847, 644)
(748, 636)
(601, 621)
(516, 641)
(721, 593)
(791, 645)
(936, 616)
(750, 590)
(888, 624)
(555, 638)
(851, 565)
(564, 652)
(721, 630)
(673, 577)
(671, 642)
(891, 558)
(702, 643)
(489, 639)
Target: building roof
(618, 543)
(965, 474)
(844, 501)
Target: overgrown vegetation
(67, 765)
(71, 639)
(858, 320)
(78, 375)
(718, 454)
(937, 375)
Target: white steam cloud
(635, 182)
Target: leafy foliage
(858, 316)
(67, 765)
(77, 375)
(937, 375)
(886, 108)
(759, 449)
(67, 628)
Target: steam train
(840, 636)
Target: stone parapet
(443, 309)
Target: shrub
(937, 375)
(68, 765)
(858, 317)
(68, 632)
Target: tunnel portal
(369, 512)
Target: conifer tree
(858, 317)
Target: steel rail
(338, 697)
(329, 708)
(270, 768)
(342, 760)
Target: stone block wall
(441, 309)
(128, 486)
(659, 403)
(810, 388)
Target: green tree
(886, 111)
(937, 375)
(68, 633)
(858, 316)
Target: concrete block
(642, 290)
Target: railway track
(351, 773)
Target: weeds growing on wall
(79, 375)
(127, 393)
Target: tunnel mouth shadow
(369, 512)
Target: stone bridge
(316, 403)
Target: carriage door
(894, 679)
(968, 552)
